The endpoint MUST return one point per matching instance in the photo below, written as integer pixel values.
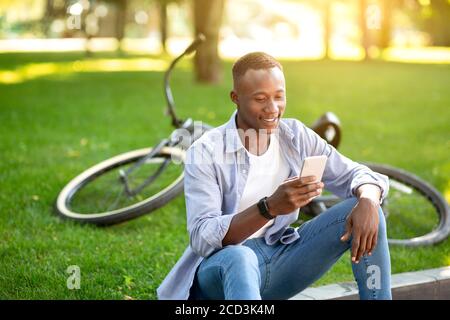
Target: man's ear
(234, 97)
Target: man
(243, 191)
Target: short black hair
(255, 61)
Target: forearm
(243, 225)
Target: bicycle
(138, 182)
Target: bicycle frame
(176, 122)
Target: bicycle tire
(442, 230)
(62, 204)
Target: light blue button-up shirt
(216, 171)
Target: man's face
(260, 96)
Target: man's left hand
(363, 224)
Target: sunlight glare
(37, 70)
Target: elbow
(199, 245)
(206, 235)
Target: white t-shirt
(266, 173)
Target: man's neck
(255, 141)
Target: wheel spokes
(107, 192)
(410, 213)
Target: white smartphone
(314, 166)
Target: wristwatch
(264, 209)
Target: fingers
(303, 189)
(302, 194)
(290, 179)
(348, 231)
(346, 236)
(361, 248)
(310, 194)
(355, 247)
(369, 244)
(307, 180)
(307, 190)
(365, 244)
(355, 241)
(297, 181)
(373, 243)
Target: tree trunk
(207, 20)
(327, 28)
(363, 28)
(87, 34)
(48, 17)
(439, 25)
(163, 24)
(387, 6)
(121, 21)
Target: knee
(240, 256)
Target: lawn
(61, 114)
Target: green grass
(56, 125)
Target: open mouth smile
(270, 120)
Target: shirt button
(244, 171)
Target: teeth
(270, 120)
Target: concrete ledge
(425, 284)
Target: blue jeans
(255, 270)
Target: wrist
(264, 209)
(270, 206)
(370, 201)
(371, 191)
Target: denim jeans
(255, 270)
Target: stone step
(425, 284)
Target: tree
(363, 28)
(121, 19)
(53, 11)
(327, 28)
(387, 7)
(164, 21)
(207, 20)
(437, 22)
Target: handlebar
(198, 41)
(176, 122)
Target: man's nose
(272, 106)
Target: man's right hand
(293, 194)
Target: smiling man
(243, 192)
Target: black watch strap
(264, 209)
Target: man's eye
(260, 99)
(279, 97)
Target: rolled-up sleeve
(342, 176)
(206, 224)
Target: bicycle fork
(174, 140)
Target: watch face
(262, 204)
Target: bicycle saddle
(328, 127)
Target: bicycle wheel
(416, 213)
(98, 196)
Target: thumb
(348, 231)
